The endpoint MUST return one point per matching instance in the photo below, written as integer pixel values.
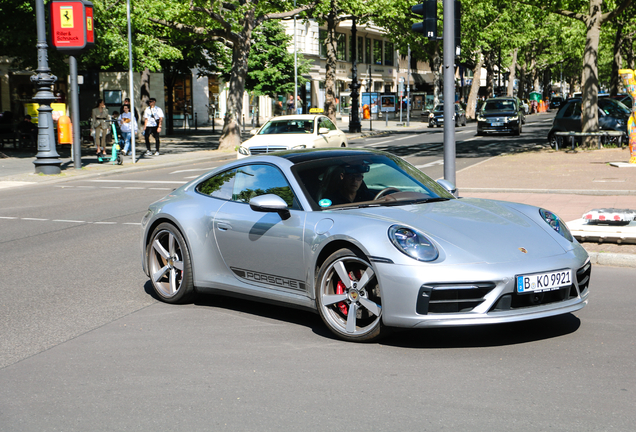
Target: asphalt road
(86, 346)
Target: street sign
(72, 26)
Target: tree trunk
(617, 63)
(330, 67)
(437, 74)
(231, 135)
(474, 87)
(521, 93)
(589, 76)
(512, 76)
(144, 94)
(490, 73)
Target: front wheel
(348, 297)
(169, 265)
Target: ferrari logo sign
(66, 16)
(72, 25)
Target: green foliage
(271, 64)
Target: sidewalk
(568, 183)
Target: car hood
(287, 140)
(476, 230)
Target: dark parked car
(624, 99)
(500, 115)
(556, 102)
(436, 117)
(612, 115)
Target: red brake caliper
(340, 289)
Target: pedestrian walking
(290, 105)
(299, 105)
(278, 108)
(128, 126)
(99, 125)
(153, 118)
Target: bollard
(243, 123)
(387, 119)
(196, 121)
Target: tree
(593, 20)
(232, 22)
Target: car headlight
(244, 151)
(481, 118)
(556, 223)
(413, 243)
(515, 118)
(302, 146)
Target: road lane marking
(191, 170)
(431, 164)
(68, 221)
(140, 181)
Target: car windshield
(288, 127)
(365, 180)
(613, 108)
(499, 105)
(439, 107)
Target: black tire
(169, 265)
(354, 315)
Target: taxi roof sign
(316, 110)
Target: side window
(219, 186)
(255, 180)
(326, 123)
(568, 111)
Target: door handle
(222, 226)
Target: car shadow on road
(453, 337)
(486, 335)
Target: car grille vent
(583, 278)
(450, 298)
(267, 149)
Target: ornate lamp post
(354, 123)
(47, 160)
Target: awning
(423, 78)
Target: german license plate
(540, 282)
(496, 124)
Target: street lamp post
(47, 160)
(354, 123)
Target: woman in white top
(127, 124)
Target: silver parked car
(363, 238)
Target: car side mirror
(253, 131)
(448, 186)
(323, 131)
(270, 203)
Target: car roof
(297, 117)
(305, 155)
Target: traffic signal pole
(449, 91)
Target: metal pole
(47, 160)
(130, 84)
(295, 64)
(449, 90)
(408, 89)
(74, 96)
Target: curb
(612, 259)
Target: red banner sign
(72, 25)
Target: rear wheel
(348, 297)
(169, 265)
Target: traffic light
(428, 26)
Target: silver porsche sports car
(366, 240)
